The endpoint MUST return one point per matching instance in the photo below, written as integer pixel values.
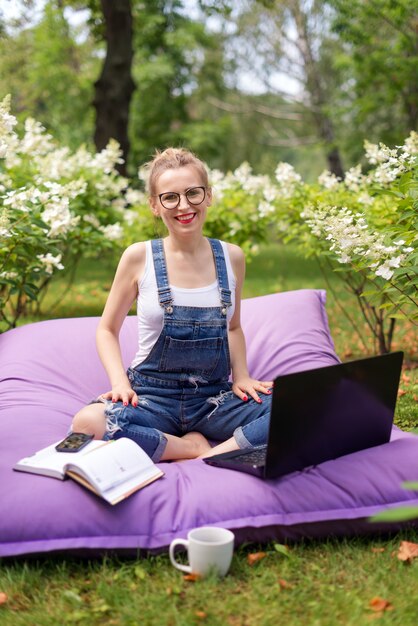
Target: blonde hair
(172, 158)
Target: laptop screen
(328, 412)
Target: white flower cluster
(391, 162)
(287, 178)
(36, 141)
(112, 232)
(350, 236)
(328, 180)
(220, 183)
(54, 201)
(410, 145)
(107, 158)
(135, 197)
(58, 216)
(265, 208)
(4, 224)
(50, 262)
(9, 275)
(251, 184)
(7, 122)
(354, 179)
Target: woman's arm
(243, 385)
(121, 296)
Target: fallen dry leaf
(415, 398)
(401, 392)
(3, 597)
(255, 556)
(235, 620)
(200, 614)
(283, 584)
(378, 550)
(405, 378)
(192, 578)
(408, 551)
(380, 604)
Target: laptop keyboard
(256, 457)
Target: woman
(176, 395)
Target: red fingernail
(259, 400)
(269, 391)
(134, 403)
(125, 404)
(113, 399)
(245, 398)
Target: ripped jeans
(213, 410)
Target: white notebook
(111, 469)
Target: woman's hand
(248, 387)
(124, 393)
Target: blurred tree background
(263, 81)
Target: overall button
(169, 309)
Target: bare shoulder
(132, 261)
(135, 253)
(236, 255)
(237, 261)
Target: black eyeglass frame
(175, 193)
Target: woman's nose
(184, 203)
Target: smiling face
(186, 218)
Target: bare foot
(226, 446)
(200, 444)
(189, 446)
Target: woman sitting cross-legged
(176, 393)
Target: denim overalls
(182, 385)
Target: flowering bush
(55, 207)
(366, 228)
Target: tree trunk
(114, 88)
(314, 87)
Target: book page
(123, 490)
(49, 462)
(113, 464)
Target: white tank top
(150, 315)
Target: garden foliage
(58, 205)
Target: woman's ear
(154, 207)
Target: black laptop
(322, 414)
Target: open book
(111, 469)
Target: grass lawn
(325, 583)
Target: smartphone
(74, 442)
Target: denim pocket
(192, 356)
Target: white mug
(209, 549)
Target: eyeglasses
(171, 199)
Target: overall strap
(221, 273)
(165, 297)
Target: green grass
(332, 582)
(329, 583)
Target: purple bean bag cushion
(50, 369)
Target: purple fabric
(50, 369)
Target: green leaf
(410, 484)
(281, 549)
(400, 514)
(140, 572)
(72, 596)
(30, 292)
